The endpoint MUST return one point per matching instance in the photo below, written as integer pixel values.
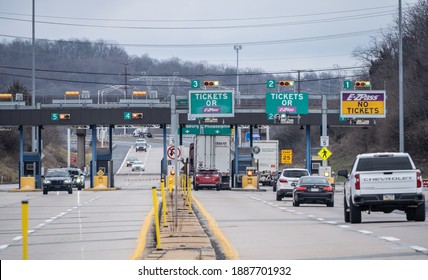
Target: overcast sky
(275, 35)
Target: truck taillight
(357, 181)
(419, 180)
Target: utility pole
(33, 74)
(400, 79)
(237, 48)
(126, 79)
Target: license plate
(388, 197)
(314, 189)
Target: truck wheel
(217, 188)
(355, 213)
(296, 204)
(420, 212)
(346, 211)
(410, 214)
(330, 204)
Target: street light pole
(237, 48)
(33, 74)
(400, 80)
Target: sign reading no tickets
(286, 103)
(211, 103)
(363, 104)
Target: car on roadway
(57, 179)
(141, 145)
(137, 165)
(287, 181)
(313, 190)
(78, 177)
(206, 178)
(130, 161)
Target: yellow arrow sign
(324, 153)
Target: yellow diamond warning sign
(324, 153)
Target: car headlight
(46, 182)
(78, 180)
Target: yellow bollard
(189, 195)
(155, 202)
(24, 204)
(163, 203)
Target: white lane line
(389, 238)
(363, 231)
(331, 222)
(344, 226)
(2, 247)
(419, 249)
(320, 219)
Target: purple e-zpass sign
(363, 104)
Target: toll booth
(104, 164)
(316, 163)
(31, 167)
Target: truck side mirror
(343, 173)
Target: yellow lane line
(142, 236)
(229, 251)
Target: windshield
(57, 173)
(73, 172)
(384, 163)
(295, 173)
(210, 171)
(314, 180)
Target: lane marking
(41, 225)
(389, 238)
(416, 248)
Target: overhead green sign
(54, 116)
(347, 84)
(211, 103)
(127, 116)
(195, 84)
(286, 103)
(207, 129)
(270, 84)
(190, 129)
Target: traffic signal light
(137, 115)
(211, 83)
(362, 84)
(72, 93)
(64, 116)
(139, 93)
(286, 83)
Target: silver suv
(287, 181)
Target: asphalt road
(262, 228)
(105, 225)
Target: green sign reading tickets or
(211, 103)
(286, 103)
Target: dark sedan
(314, 190)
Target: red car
(206, 178)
